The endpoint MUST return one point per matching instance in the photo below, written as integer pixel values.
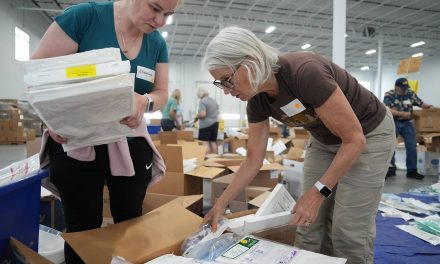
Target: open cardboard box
(224, 162)
(172, 137)
(241, 201)
(137, 240)
(268, 176)
(176, 182)
(154, 200)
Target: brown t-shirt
(306, 80)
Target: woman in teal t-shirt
(130, 25)
(170, 112)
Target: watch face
(325, 191)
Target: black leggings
(81, 184)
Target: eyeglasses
(226, 83)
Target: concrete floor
(401, 183)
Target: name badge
(407, 102)
(293, 108)
(145, 74)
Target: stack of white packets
(82, 96)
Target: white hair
(234, 46)
(202, 92)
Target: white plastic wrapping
(59, 76)
(77, 59)
(19, 170)
(87, 113)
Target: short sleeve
(202, 106)
(388, 100)
(163, 52)
(416, 100)
(255, 113)
(75, 20)
(173, 105)
(315, 83)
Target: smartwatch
(150, 103)
(324, 190)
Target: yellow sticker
(81, 71)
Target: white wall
(34, 24)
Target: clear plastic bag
(206, 245)
(19, 170)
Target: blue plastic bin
(20, 214)
(152, 130)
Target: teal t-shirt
(92, 26)
(171, 104)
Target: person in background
(400, 101)
(130, 25)
(351, 144)
(170, 112)
(207, 116)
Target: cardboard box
(231, 144)
(138, 240)
(243, 200)
(300, 133)
(176, 182)
(171, 137)
(295, 154)
(431, 141)
(427, 120)
(268, 176)
(275, 133)
(33, 146)
(224, 162)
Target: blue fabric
(394, 246)
(92, 26)
(407, 131)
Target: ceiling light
(417, 55)
(270, 29)
(164, 34)
(370, 52)
(306, 46)
(365, 68)
(420, 43)
(345, 35)
(169, 20)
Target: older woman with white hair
(207, 114)
(351, 144)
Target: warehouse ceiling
(400, 23)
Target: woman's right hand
(214, 215)
(57, 138)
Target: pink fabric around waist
(119, 155)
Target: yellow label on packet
(81, 71)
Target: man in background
(401, 101)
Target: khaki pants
(346, 225)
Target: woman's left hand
(140, 105)
(307, 208)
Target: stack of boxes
(427, 122)
(12, 124)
